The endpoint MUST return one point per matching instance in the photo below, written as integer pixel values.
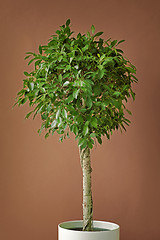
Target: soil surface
(94, 229)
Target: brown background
(40, 180)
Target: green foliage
(79, 84)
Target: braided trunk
(87, 192)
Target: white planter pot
(108, 231)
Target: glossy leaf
(40, 49)
(98, 34)
(120, 42)
(68, 22)
(92, 29)
(27, 74)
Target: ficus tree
(79, 84)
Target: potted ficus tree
(80, 84)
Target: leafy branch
(79, 84)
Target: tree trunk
(87, 192)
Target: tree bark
(87, 191)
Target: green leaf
(54, 123)
(126, 121)
(101, 73)
(123, 126)
(88, 34)
(133, 95)
(68, 134)
(64, 113)
(70, 98)
(83, 110)
(30, 53)
(125, 87)
(108, 60)
(28, 115)
(47, 135)
(40, 130)
(61, 139)
(135, 79)
(31, 61)
(94, 122)
(78, 35)
(21, 92)
(27, 57)
(116, 103)
(58, 113)
(44, 116)
(98, 34)
(80, 119)
(60, 77)
(85, 48)
(66, 83)
(92, 135)
(119, 50)
(90, 145)
(75, 129)
(58, 32)
(84, 144)
(37, 62)
(31, 85)
(120, 42)
(89, 102)
(68, 22)
(99, 140)
(131, 70)
(88, 118)
(93, 29)
(113, 43)
(85, 129)
(24, 100)
(81, 141)
(97, 90)
(40, 49)
(75, 93)
(129, 112)
(27, 74)
(116, 93)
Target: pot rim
(96, 223)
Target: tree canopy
(79, 84)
